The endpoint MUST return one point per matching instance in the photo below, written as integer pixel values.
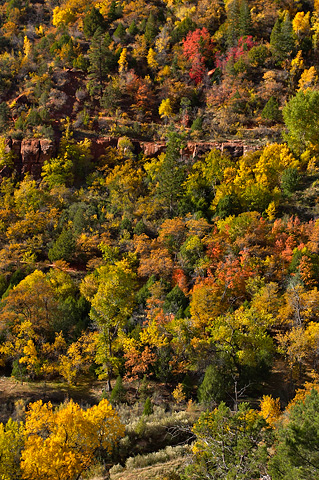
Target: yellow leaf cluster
(274, 159)
(301, 23)
(270, 409)
(152, 336)
(151, 59)
(79, 357)
(165, 109)
(123, 61)
(297, 63)
(68, 437)
(179, 394)
(62, 16)
(27, 47)
(308, 78)
(104, 7)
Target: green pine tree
(132, 29)
(275, 40)
(297, 448)
(171, 175)
(115, 11)
(118, 392)
(92, 21)
(151, 29)
(120, 32)
(233, 25)
(271, 110)
(100, 57)
(282, 41)
(214, 386)
(245, 23)
(287, 36)
(64, 246)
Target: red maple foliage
(198, 48)
(243, 46)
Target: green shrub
(271, 110)
(197, 124)
(118, 392)
(214, 386)
(289, 180)
(148, 408)
(64, 247)
(19, 371)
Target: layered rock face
(29, 155)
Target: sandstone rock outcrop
(30, 154)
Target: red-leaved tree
(198, 48)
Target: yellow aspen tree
(104, 7)
(165, 109)
(60, 444)
(52, 353)
(272, 162)
(21, 347)
(301, 393)
(297, 63)
(39, 30)
(315, 32)
(62, 16)
(308, 79)
(301, 23)
(271, 211)
(179, 394)
(30, 358)
(151, 59)
(79, 357)
(270, 409)
(123, 61)
(111, 305)
(27, 47)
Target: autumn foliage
(198, 48)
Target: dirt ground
(12, 391)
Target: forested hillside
(169, 298)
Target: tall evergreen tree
(64, 246)
(271, 110)
(151, 29)
(275, 38)
(100, 57)
(171, 175)
(115, 11)
(120, 32)
(297, 447)
(245, 23)
(233, 28)
(92, 21)
(287, 36)
(282, 42)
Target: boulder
(30, 151)
(153, 149)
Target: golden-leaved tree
(60, 444)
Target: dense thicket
(196, 272)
